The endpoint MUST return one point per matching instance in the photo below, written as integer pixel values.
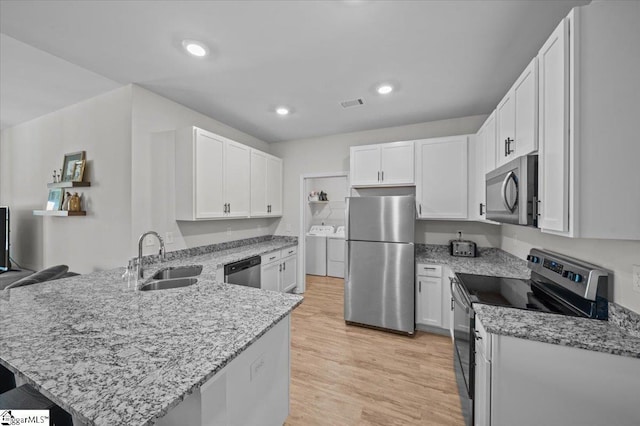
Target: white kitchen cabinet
(429, 301)
(266, 184)
(236, 179)
(289, 273)
(441, 178)
(270, 276)
(433, 298)
(482, 386)
(482, 160)
(588, 124)
(519, 376)
(387, 164)
(279, 269)
(210, 176)
(517, 117)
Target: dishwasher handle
(232, 268)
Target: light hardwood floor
(347, 375)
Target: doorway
(315, 210)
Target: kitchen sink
(170, 283)
(178, 272)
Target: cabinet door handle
(383, 175)
(481, 209)
(225, 208)
(378, 176)
(284, 266)
(505, 148)
(509, 150)
(420, 208)
(272, 257)
(280, 268)
(420, 286)
(229, 211)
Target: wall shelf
(59, 213)
(52, 185)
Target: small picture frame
(55, 199)
(69, 165)
(78, 171)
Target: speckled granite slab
(212, 248)
(111, 355)
(490, 261)
(593, 335)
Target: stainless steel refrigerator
(379, 282)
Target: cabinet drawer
(271, 257)
(289, 251)
(429, 270)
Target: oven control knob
(568, 274)
(577, 278)
(533, 259)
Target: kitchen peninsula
(110, 354)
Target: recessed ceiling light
(282, 111)
(195, 48)
(385, 89)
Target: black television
(5, 263)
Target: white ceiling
(448, 58)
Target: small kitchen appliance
(462, 248)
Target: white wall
(331, 154)
(616, 255)
(155, 120)
(332, 213)
(29, 152)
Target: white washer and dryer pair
(316, 248)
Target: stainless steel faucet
(140, 240)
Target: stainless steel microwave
(512, 191)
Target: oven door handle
(454, 286)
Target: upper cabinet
(441, 178)
(214, 177)
(387, 164)
(482, 159)
(517, 117)
(266, 184)
(588, 124)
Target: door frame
(302, 232)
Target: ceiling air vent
(352, 103)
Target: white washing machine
(316, 248)
(335, 253)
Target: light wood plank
(345, 375)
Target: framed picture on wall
(55, 199)
(69, 165)
(78, 171)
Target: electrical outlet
(636, 278)
(168, 238)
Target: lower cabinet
(278, 271)
(432, 298)
(518, 380)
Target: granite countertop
(619, 336)
(594, 335)
(490, 261)
(109, 354)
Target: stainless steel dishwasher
(244, 272)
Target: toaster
(463, 248)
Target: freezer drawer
(379, 287)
